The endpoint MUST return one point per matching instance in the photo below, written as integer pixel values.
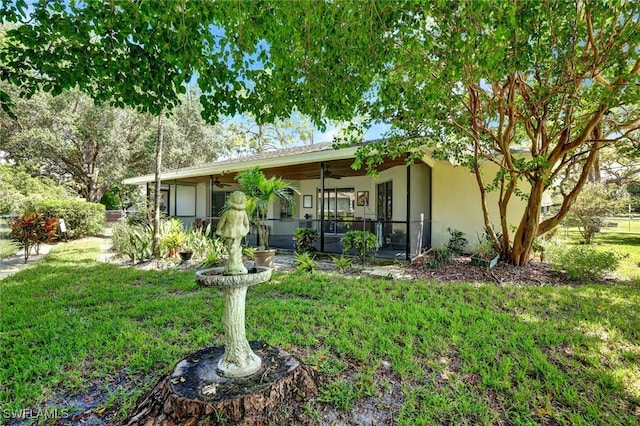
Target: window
(385, 201)
(285, 207)
(339, 205)
(218, 198)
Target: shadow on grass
(618, 239)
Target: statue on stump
(233, 226)
(230, 381)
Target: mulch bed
(460, 270)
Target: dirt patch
(459, 269)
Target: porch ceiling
(306, 171)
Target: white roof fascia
(264, 163)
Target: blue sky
(375, 132)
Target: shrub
(211, 259)
(363, 242)
(31, 230)
(17, 185)
(342, 263)
(457, 241)
(305, 262)
(304, 238)
(584, 262)
(81, 218)
(441, 257)
(201, 242)
(172, 242)
(134, 241)
(172, 236)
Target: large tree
(535, 87)
(69, 139)
(246, 134)
(473, 79)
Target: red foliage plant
(31, 230)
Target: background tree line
(90, 148)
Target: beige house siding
(456, 204)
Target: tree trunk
(527, 231)
(156, 198)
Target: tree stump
(195, 394)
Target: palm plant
(260, 193)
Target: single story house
(408, 207)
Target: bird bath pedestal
(238, 360)
(241, 383)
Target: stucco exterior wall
(456, 204)
(202, 192)
(421, 185)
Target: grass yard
(459, 354)
(7, 248)
(613, 238)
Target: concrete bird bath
(231, 381)
(238, 360)
(234, 279)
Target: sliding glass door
(339, 209)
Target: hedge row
(80, 217)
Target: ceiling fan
(219, 184)
(328, 174)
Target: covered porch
(333, 199)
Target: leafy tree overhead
(477, 80)
(265, 58)
(471, 79)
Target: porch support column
(322, 206)
(175, 197)
(209, 215)
(408, 239)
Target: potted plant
(173, 236)
(185, 254)
(261, 192)
(173, 242)
(485, 254)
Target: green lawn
(461, 354)
(7, 248)
(614, 238)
